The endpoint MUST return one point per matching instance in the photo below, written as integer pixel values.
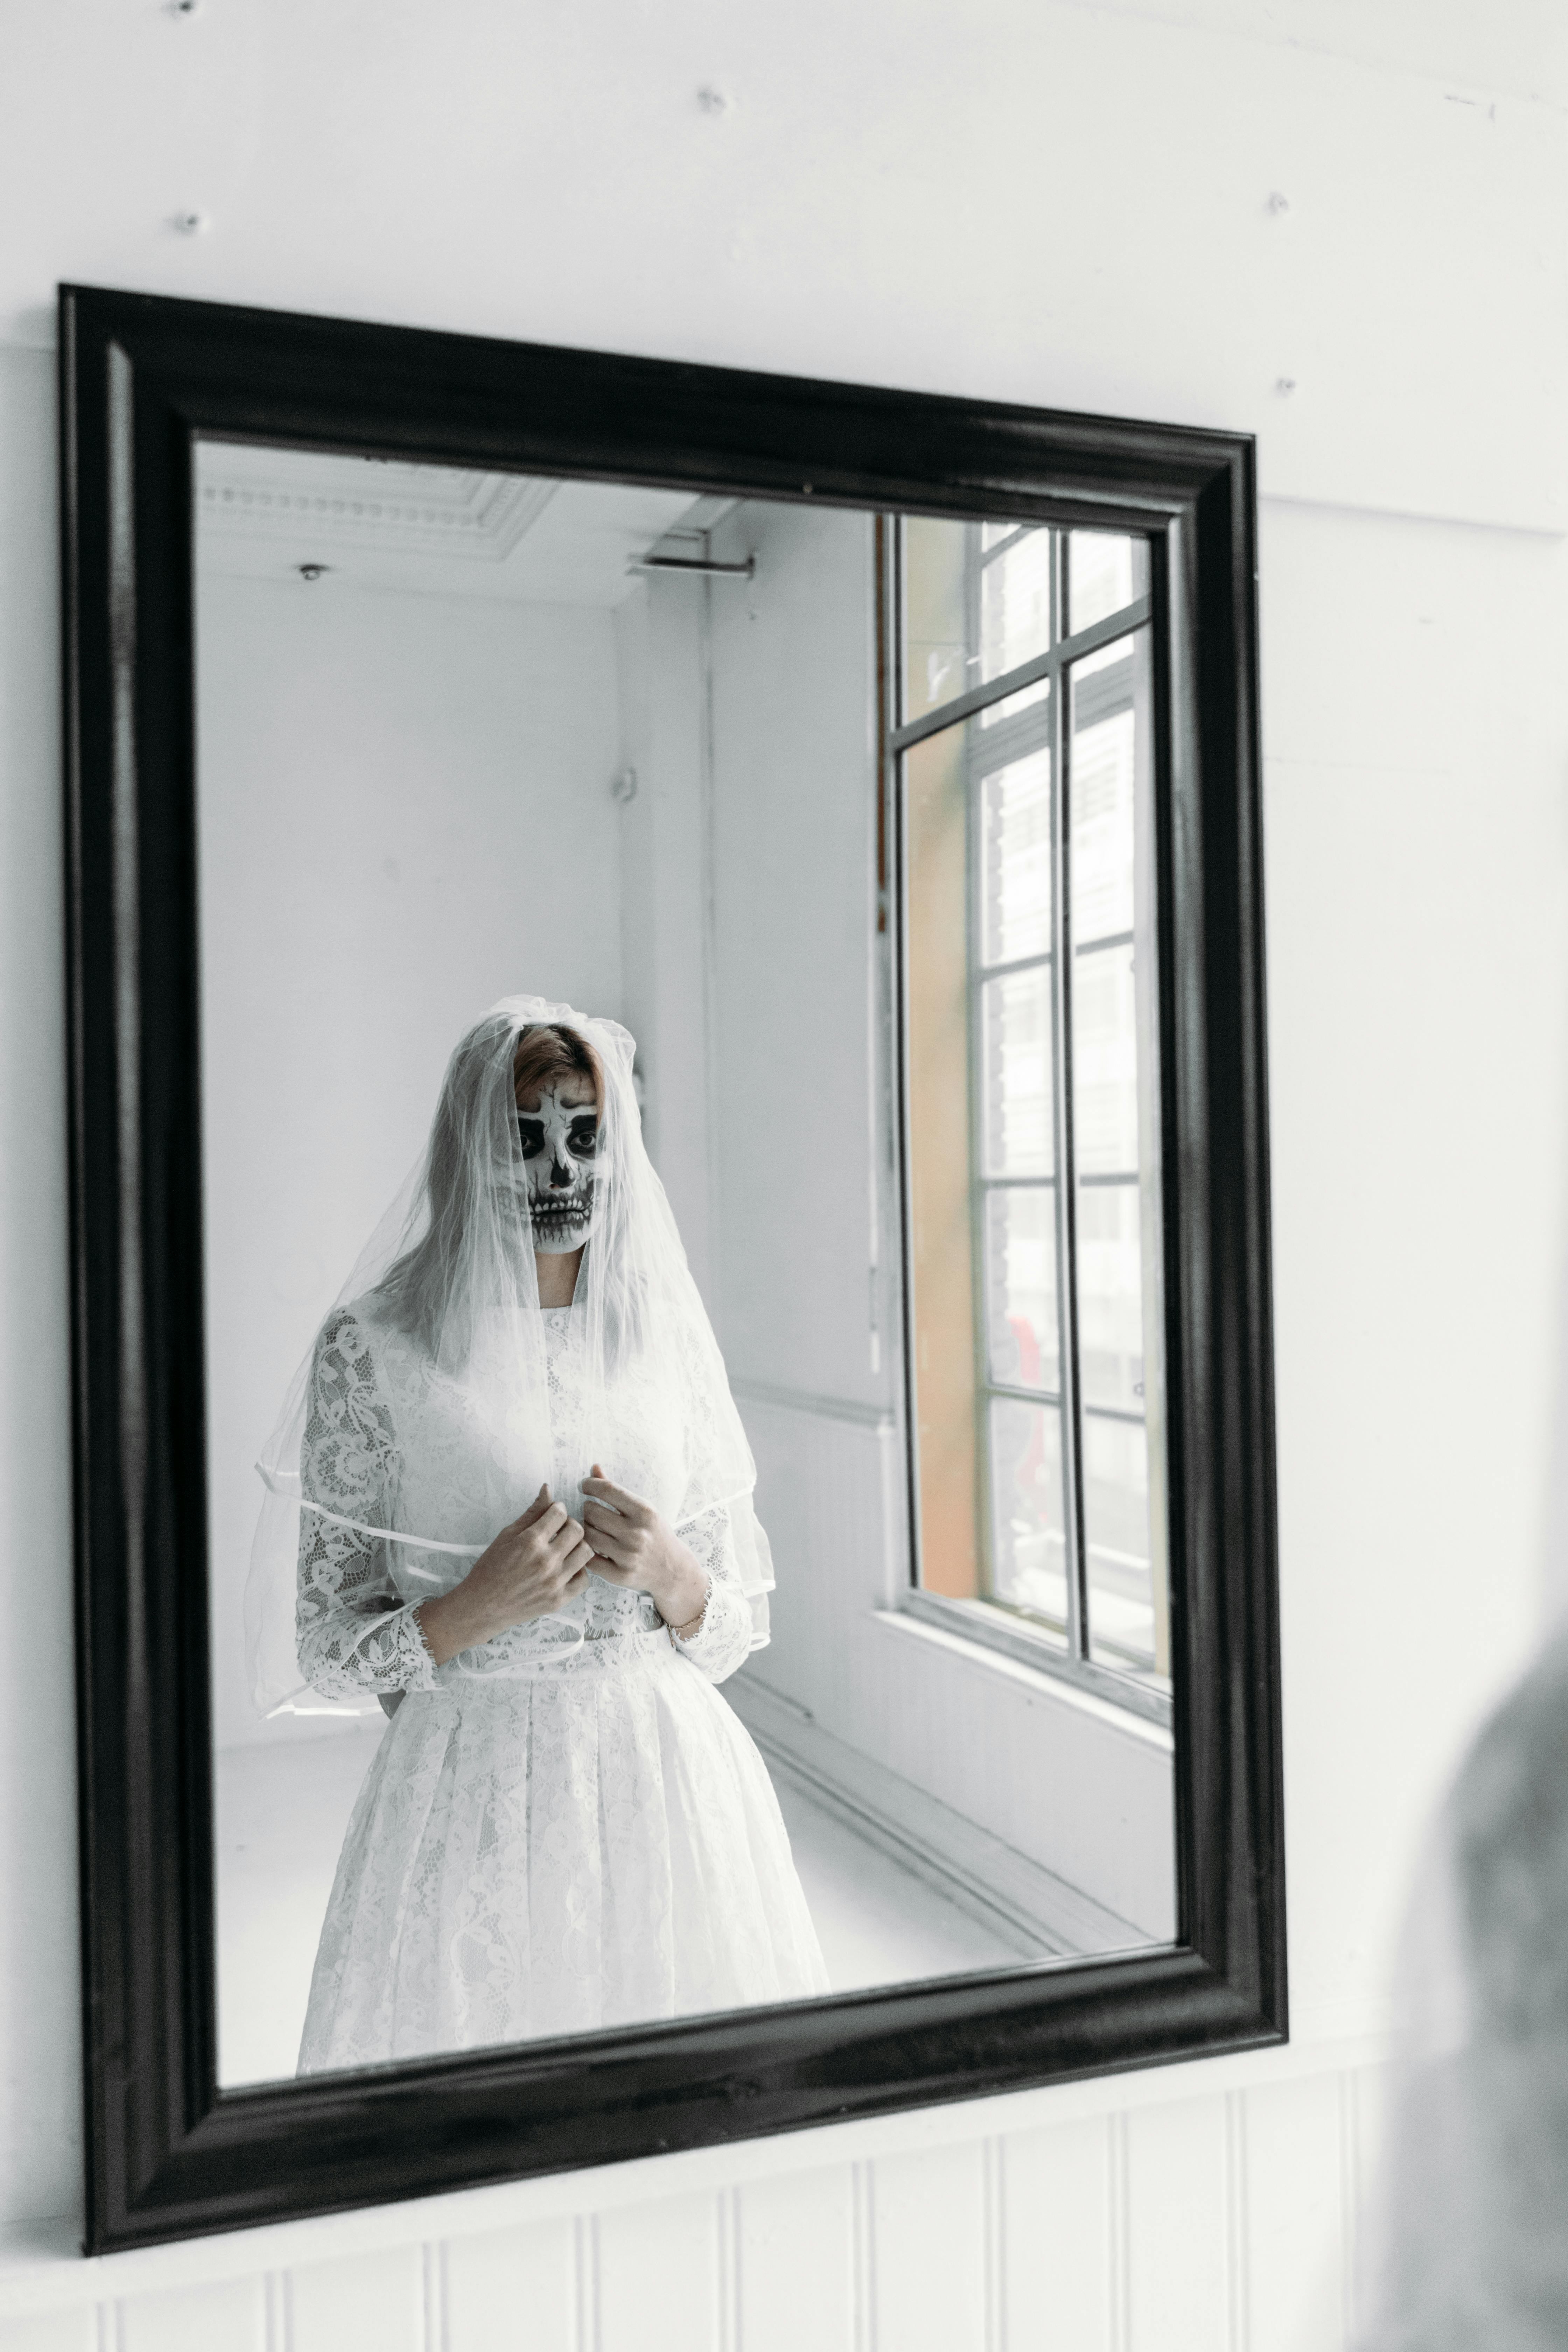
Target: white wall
(1055, 203)
(404, 812)
(662, 681)
(803, 1134)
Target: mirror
(443, 716)
(847, 817)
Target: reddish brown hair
(549, 1050)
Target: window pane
(1116, 1528)
(1104, 573)
(939, 1011)
(1015, 860)
(1028, 698)
(1028, 1543)
(1019, 1074)
(1021, 1287)
(976, 602)
(935, 575)
(1110, 1296)
(1105, 1061)
(1015, 605)
(1102, 794)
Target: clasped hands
(538, 1562)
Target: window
(1021, 776)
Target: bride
(512, 1500)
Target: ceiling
(431, 530)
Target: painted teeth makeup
(560, 1141)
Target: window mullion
(984, 970)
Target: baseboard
(1017, 1898)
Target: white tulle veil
(450, 1268)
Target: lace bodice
(387, 1447)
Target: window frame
(168, 2154)
(994, 1623)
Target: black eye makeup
(583, 1135)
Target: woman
(524, 1521)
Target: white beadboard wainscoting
(1193, 2208)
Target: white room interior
(452, 744)
(1336, 225)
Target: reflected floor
(281, 1814)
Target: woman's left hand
(640, 1551)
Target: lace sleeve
(352, 1633)
(724, 1639)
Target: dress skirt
(596, 1844)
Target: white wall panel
(662, 697)
(665, 2273)
(929, 2229)
(1180, 2258)
(1297, 2282)
(55, 2331)
(796, 2261)
(795, 804)
(1216, 2222)
(377, 2298)
(1062, 2251)
(515, 2289)
(1366, 2097)
(1414, 730)
(232, 2313)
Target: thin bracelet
(680, 1633)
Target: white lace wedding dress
(567, 1829)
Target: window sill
(953, 1625)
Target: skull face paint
(560, 1141)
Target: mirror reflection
(682, 1243)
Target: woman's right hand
(533, 1565)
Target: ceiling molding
(340, 502)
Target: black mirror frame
(169, 2155)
